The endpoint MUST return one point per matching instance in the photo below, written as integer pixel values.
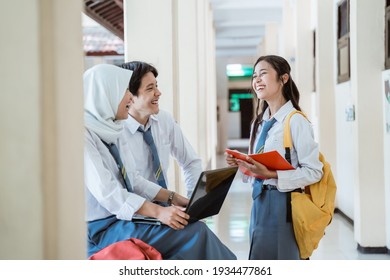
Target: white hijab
(104, 88)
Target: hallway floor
(232, 227)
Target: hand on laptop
(173, 216)
(180, 200)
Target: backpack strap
(287, 140)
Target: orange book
(273, 160)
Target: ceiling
(239, 24)
(109, 13)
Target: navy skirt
(195, 242)
(271, 231)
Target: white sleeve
(104, 186)
(309, 167)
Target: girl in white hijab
(113, 197)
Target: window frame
(343, 42)
(387, 35)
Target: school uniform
(169, 140)
(271, 230)
(112, 195)
(110, 208)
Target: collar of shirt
(281, 113)
(133, 124)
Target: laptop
(210, 192)
(208, 195)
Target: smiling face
(146, 99)
(266, 83)
(123, 108)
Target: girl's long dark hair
(290, 90)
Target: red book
(273, 160)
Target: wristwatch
(170, 198)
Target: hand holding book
(272, 160)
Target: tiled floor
(232, 226)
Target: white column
(367, 62)
(41, 162)
(211, 97)
(187, 60)
(304, 55)
(149, 36)
(271, 39)
(386, 140)
(223, 101)
(175, 39)
(287, 37)
(325, 94)
(202, 80)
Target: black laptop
(210, 192)
(208, 195)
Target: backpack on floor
(130, 249)
(313, 209)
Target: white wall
(359, 142)
(20, 160)
(41, 162)
(346, 153)
(386, 131)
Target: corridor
(232, 226)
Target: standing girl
(271, 230)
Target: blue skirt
(271, 232)
(195, 242)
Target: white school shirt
(169, 141)
(106, 194)
(304, 153)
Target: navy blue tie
(258, 183)
(157, 169)
(115, 154)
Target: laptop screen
(210, 192)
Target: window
(343, 48)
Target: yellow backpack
(312, 210)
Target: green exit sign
(234, 100)
(239, 71)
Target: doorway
(241, 103)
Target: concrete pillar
(367, 60)
(287, 37)
(386, 140)
(41, 162)
(271, 39)
(304, 55)
(223, 102)
(206, 79)
(187, 61)
(325, 94)
(151, 39)
(177, 38)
